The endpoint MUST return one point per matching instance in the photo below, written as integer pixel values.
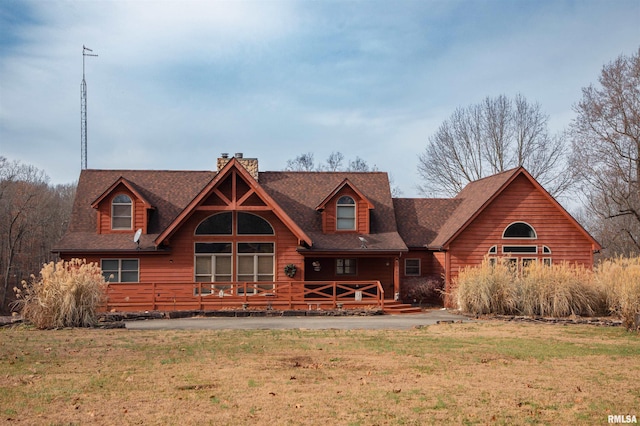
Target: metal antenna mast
(83, 110)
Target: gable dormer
(346, 210)
(122, 209)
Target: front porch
(290, 295)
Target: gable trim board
(441, 235)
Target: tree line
(597, 159)
(33, 217)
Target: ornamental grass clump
(486, 289)
(67, 294)
(498, 287)
(619, 278)
(560, 290)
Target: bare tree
(359, 165)
(334, 161)
(302, 163)
(491, 137)
(606, 153)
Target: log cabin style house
(238, 237)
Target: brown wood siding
(520, 202)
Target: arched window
(218, 224)
(251, 224)
(520, 230)
(121, 212)
(346, 213)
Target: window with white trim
(255, 261)
(213, 262)
(121, 212)
(120, 270)
(346, 213)
(412, 267)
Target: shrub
(619, 279)
(423, 290)
(67, 294)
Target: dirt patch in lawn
(490, 372)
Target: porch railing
(229, 295)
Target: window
(255, 261)
(213, 262)
(493, 250)
(238, 259)
(251, 224)
(546, 250)
(412, 267)
(120, 270)
(520, 249)
(218, 224)
(346, 213)
(345, 266)
(121, 207)
(546, 261)
(519, 230)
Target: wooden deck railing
(229, 295)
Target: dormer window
(121, 212)
(346, 213)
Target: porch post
(396, 279)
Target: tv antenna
(83, 110)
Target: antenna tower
(83, 110)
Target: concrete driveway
(376, 322)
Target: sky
(177, 83)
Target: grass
(478, 373)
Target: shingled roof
(471, 201)
(299, 193)
(395, 224)
(170, 192)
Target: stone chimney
(251, 164)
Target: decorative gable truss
(346, 209)
(122, 208)
(233, 189)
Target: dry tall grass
(620, 280)
(558, 290)
(486, 289)
(67, 294)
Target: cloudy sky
(176, 83)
